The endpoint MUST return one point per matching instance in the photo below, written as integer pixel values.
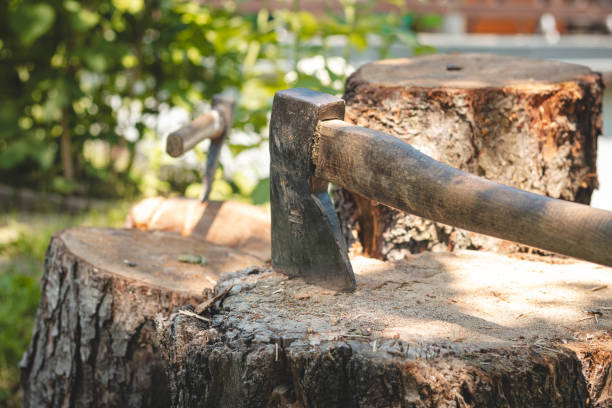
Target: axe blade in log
(310, 146)
(214, 125)
(306, 238)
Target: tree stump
(101, 290)
(236, 225)
(526, 123)
(464, 329)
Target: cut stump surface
(467, 329)
(101, 290)
(228, 223)
(530, 124)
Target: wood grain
(385, 169)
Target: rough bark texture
(526, 123)
(438, 330)
(92, 342)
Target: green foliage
(102, 71)
(18, 302)
(30, 21)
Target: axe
(214, 125)
(311, 146)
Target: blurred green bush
(82, 84)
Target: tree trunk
(101, 290)
(526, 123)
(444, 330)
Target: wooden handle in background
(385, 169)
(210, 125)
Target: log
(92, 344)
(463, 329)
(400, 176)
(529, 124)
(236, 225)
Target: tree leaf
(358, 40)
(84, 20)
(193, 259)
(129, 6)
(261, 192)
(30, 21)
(45, 155)
(14, 154)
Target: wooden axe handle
(385, 169)
(210, 125)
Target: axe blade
(225, 106)
(306, 236)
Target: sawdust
(473, 299)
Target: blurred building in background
(486, 16)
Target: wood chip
(129, 263)
(548, 348)
(204, 307)
(595, 289)
(401, 284)
(191, 314)
(360, 336)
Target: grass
(24, 238)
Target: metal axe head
(306, 237)
(225, 106)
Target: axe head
(306, 237)
(225, 106)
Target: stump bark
(526, 123)
(464, 329)
(92, 344)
